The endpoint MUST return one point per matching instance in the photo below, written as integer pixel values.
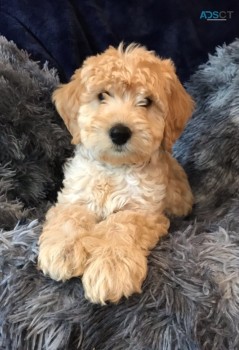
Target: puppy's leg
(118, 262)
(61, 253)
(179, 197)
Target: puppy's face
(123, 105)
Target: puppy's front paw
(113, 274)
(62, 259)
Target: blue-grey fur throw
(34, 142)
(190, 299)
(209, 147)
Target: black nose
(120, 134)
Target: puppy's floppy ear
(180, 106)
(67, 101)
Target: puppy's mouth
(119, 149)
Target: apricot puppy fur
(124, 109)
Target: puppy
(124, 109)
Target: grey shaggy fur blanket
(190, 299)
(34, 142)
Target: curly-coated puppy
(124, 108)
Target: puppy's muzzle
(120, 134)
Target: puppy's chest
(105, 189)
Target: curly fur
(190, 298)
(110, 212)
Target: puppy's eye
(102, 95)
(146, 102)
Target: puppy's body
(143, 186)
(104, 188)
(124, 109)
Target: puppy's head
(124, 104)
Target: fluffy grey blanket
(33, 140)
(190, 299)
